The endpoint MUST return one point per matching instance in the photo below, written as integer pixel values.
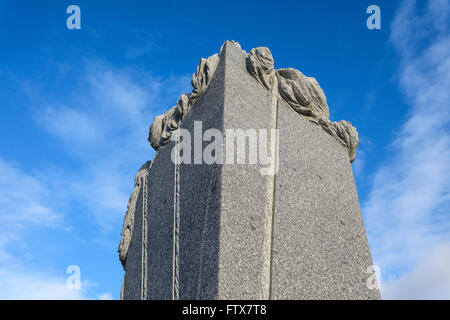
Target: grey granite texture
(148, 265)
(221, 219)
(303, 94)
(225, 231)
(320, 249)
(260, 66)
(243, 188)
(160, 226)
(200, 203)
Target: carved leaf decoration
(202, 77)
(260, 65)
(128, 222)
(302, 93)
(164, 125)
(344, 132)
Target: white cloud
(30, 204)
(429, 280)
(106, 296)
(104, 127)
(71, 125)
(407, 212)
(24, 202)
(18, 281)
(32, 285)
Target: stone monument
(218, 222)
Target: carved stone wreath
(303, 94)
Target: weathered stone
(164, 125)
(157, 262)
(128, 223)
(302, 93)
(320, 250)
(243, 188)
(202, 77)
(225, 231)
(130, 249)
(345, 133)
(260, 66)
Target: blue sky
(75, 106)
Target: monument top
(303, 94)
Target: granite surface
(229, 232)
(320, 249)
(132, 281)
(160, 226)
(200, 201)
(247, 106)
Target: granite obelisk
(287, 226)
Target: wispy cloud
(101, 124)
(20, 282)
(429, 280)
(105, 296)
(25, 202)
(408, 209)
(142, 42)
(71, 125)
(104, 127)
(32, 285)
